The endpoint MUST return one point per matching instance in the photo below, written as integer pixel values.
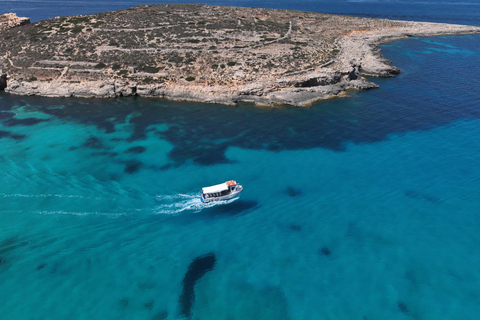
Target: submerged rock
(41, 266)
(136, 150)
(132, 166)
(325, 251)
(402, 306)
(162, 315)
(124, 302)
(293, 192)
(149, 305)
(196, 270)
(295, 227)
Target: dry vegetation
(207, 45)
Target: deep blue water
(364, 207)
(450, 11)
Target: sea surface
(365, 207)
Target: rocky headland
(202, 53)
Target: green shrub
(100, 65)
(148, 69)
(190, 78)
(231, 63)
(116, 66)
(79, 19)
(77, 29)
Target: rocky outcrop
(361, 47)
(10, 20)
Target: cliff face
(7, 21)
(203, 53)
(10, 20)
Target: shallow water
(364, 207)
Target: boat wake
(83, 213)
(174, 204)
(48, 195)
(164, 204)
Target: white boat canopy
(216, 188)
(220, 187)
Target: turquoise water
(364, 207)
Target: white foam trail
(49, 195)
(176, 196)
(86, 213)
(184, 202)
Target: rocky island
(201, 53)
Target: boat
(223, 191)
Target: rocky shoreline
(196, 53)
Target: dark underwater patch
(24, 122)
(421, 196)
(196, 270)
(293, 192)
(402, 306)
(6, 115)
(200, 154)
(161, 315)
(6, 134)
(123, 303)
(132, 166)
(295, 227)
(11, 244)
(149, 305)
(41, 266)
(105, 153)
(8, 119)
(411, 276)
(136, 150)
(325, 251)
(93, 143)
